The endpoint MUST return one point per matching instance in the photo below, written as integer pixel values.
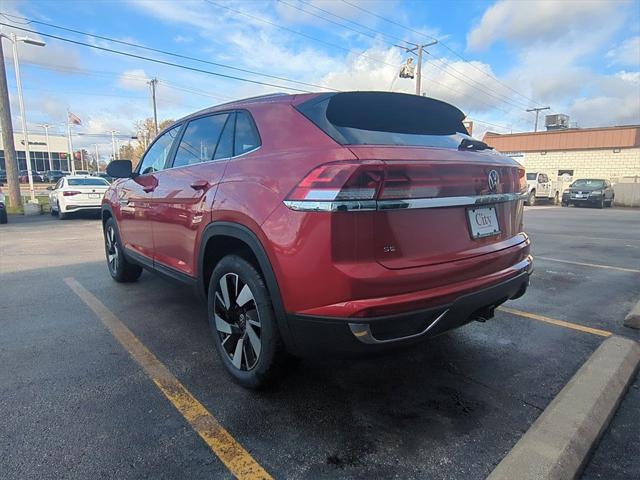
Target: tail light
(70, 193)
(522, 180)
(376, 185)
(338, 186)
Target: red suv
(331, 222)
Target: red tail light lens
(340, 181)
(522, 179)
(70, 193)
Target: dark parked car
(333, 222)
(3, 208)
(589, 191)
(52, 176)
(23, 176)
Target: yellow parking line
(229, 451)
(553, 321)
(594, 265)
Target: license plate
(483, 222)
(94, 195)
(579, 195)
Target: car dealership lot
(76, 404)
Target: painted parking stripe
(239, 462)
(594, 265)
(554, 321)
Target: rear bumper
(78, 207)
(315, 335)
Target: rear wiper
(473, 145)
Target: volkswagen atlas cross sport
(331, 222)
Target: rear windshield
(588, 183)
(531, 176)
(381, 118)
(76, 182)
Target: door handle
(200, 185)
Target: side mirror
(50, 187)
(120, 169)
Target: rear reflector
(70, 193)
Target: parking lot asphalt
(75, 404)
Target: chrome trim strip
(328, 206)
(362, 332)
(412, 203)
(441, 202)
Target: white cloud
(627, 53)
(135, 79)
(527, 21)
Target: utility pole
(537, 110)
(419, 50)
(10, 160)
(153, 82)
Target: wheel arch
(223, 238)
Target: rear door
(181, 202)
(135, 196)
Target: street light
(46, 127)
(16, 65)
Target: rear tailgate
(425, 215)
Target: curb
(632, 320)
(558, 443)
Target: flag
(74, 119)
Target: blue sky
(493, 61)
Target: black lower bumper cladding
(314, 336)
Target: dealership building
(611, 153)
(58, 147)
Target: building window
(616, 150)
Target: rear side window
(156, 157)
(247, 138)
(200, 139)
(381, 118)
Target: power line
(443, 45)
(479, 86)
(165, 52)
(302, 34)
(154, 60)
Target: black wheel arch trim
(244, 234)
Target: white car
(75, 193)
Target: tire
(601, 204)
(54, 213)
(243, 324)
(531, 200)
(62, 216)
(120, 269)
(3, 216)
(565, 204)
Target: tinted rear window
(531, 176)
(93, 182)
(381, 118)
(588, 183)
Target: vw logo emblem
(492, 180)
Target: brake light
(70, 193)
(340, 182)
(522, 179)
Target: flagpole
(73, 165)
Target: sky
(493, 59)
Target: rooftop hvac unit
(556, 122)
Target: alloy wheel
(112, 249)
(237, 321)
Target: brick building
(608, 152)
